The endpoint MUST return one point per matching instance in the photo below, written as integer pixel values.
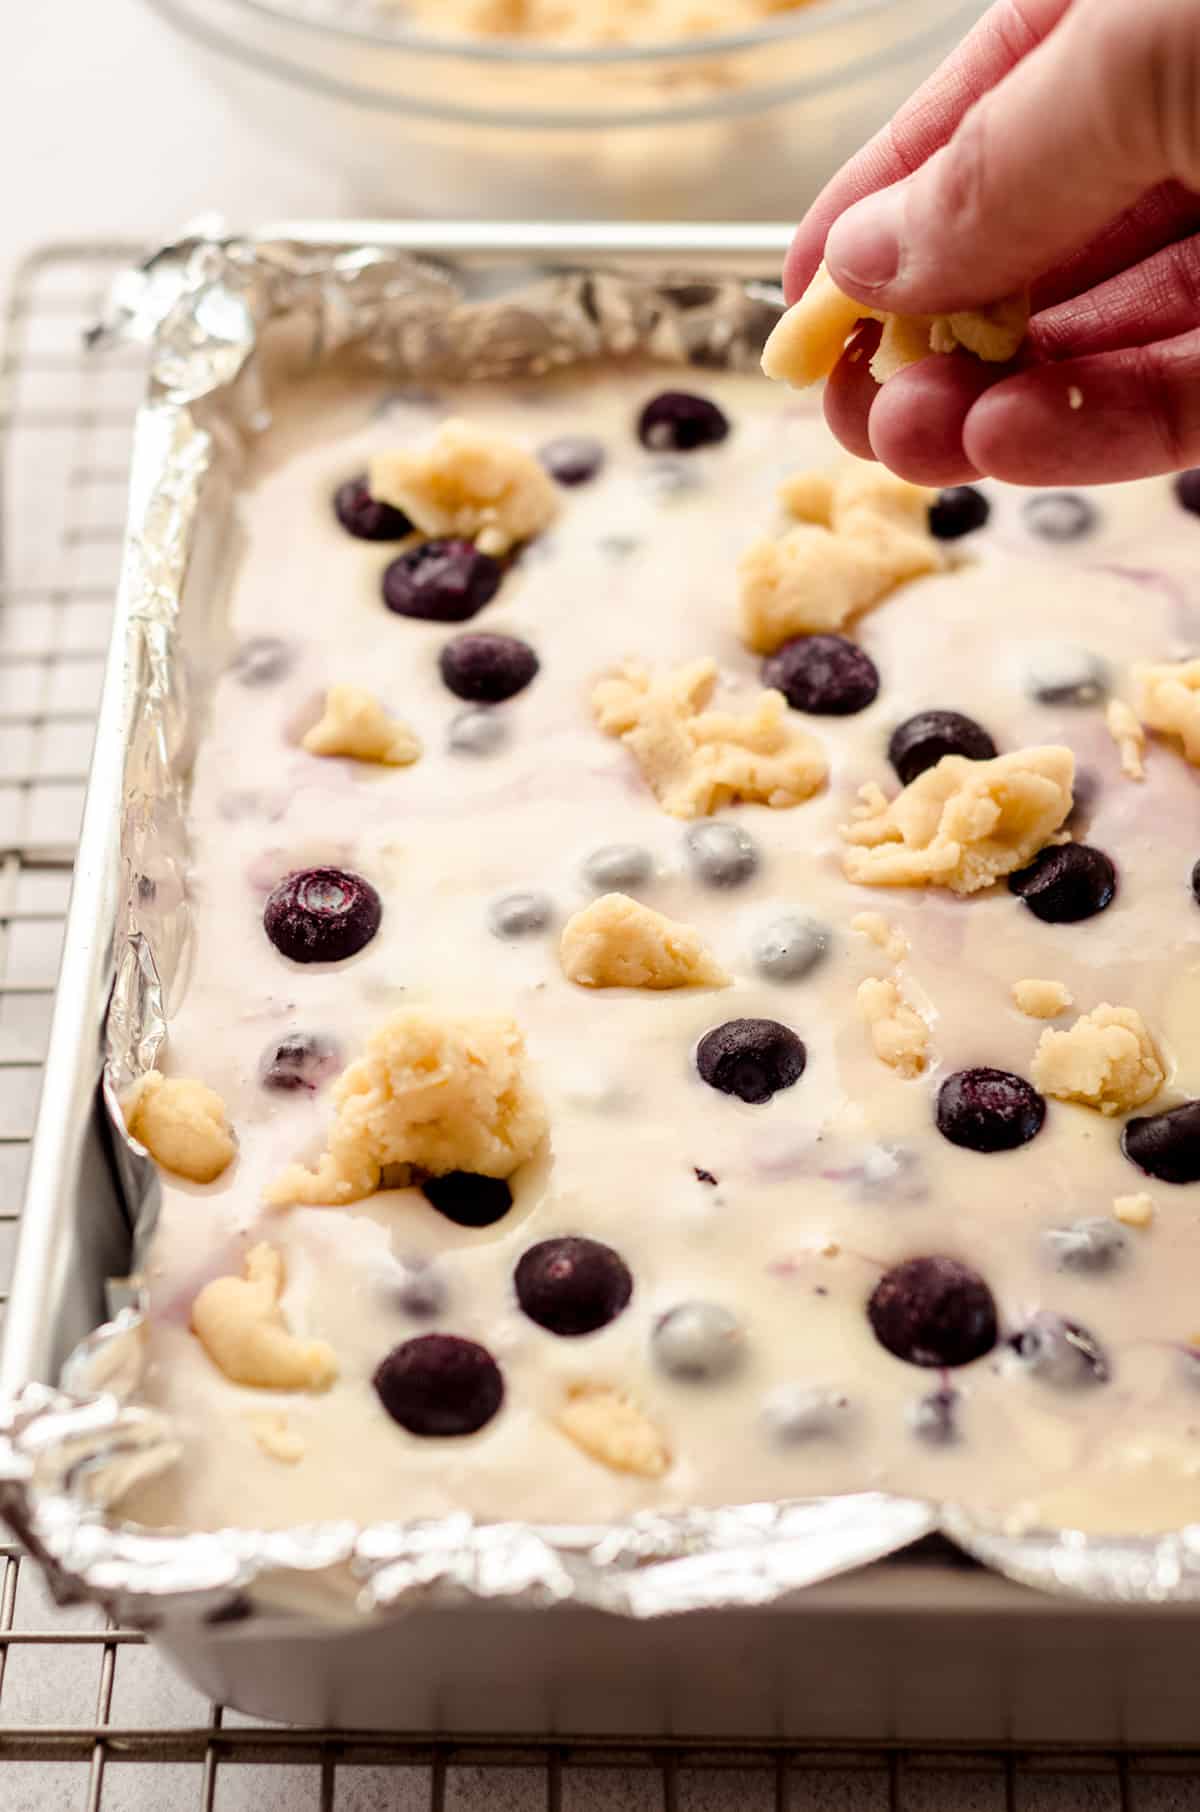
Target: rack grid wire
(90, 1718)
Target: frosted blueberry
(519, 914)
(418, 1288)
(1093, 1244)
(804, 1412)
(1059, 1352)
(618, 867)
(722, 855)
(698, 1341)
(934, 1417)
(478, 732)
(1060, 515)
(789, 946)
(1059, 673)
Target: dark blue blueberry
(751, 1058)
(262, 659)
(572, 1286)
(678, 422)
(443, 581)
(1196, 882)
(1060, 1352)
(301, 1060)
(1187, 490)
(934, 1312)
(958, 511)
(322, 915)
(1166, 1145)
(467, 1199)
(824, 674)
(487, 669)
(439, 1384)
(572, 459)
(362, 515)
(989, 1110)
(1065, 883)
(1060, 515)
(921, 741)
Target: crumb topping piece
(1041, 999)
(1106, 1060)
(1167, 699)
(961, 824)
(1123, 726)
(240, 1325)
(355, 723)
(616, 942)
(808, 341)
(608, 1426)
(859, 533)
(696, 760)
(899, 1035)
(435, 1092)
(469, 482)
(182, 1123)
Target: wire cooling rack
(90, 1718)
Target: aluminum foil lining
(208, 310)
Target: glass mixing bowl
(741, 127)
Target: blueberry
(933, 1311)
(1187, 490)
(921, 741)
(478, 732)
(958, 511)
(823, 674)
(668, 477)
(1059, 1352)
(1166, 1145)
(698, 1341)
(362, 515)
(519, 914)
(487, 669)
(467, 1199)
(1196, 882)
(1060, 515)
(678, 422)
(418, 1289)
(751, 1058)
(1091, 1245)
(789, 946)
(301, 1060)
(321, 915)
(618, 867)
(1059, 673)
(989, 1110)
(1065, 883)
(572, 459)
(572, 1286)
(439, 1384)
(934, 1417)
(445, 581)
(261, 660)
(723, 855)
(793, 1413)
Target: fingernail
(863, 246)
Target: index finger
(1008, 31)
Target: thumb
(1102, 109)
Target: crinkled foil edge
(203, 307)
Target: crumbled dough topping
(240, 1326)
(609, 1426)
(860, 532)
(890, 939)
(433, 1091)
(808, 341)
(899, 1035)
(1105, 1060)
(469, 481)
(617, 942)
(1167, 698)
(355, 723)
(1041, 999)
(277, 1440)
(961, 824)
(696, 760)
(1134, 1210)
(1129, 737)
(182, 1124)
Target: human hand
(1057, 149)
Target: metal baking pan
(923, 1644)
